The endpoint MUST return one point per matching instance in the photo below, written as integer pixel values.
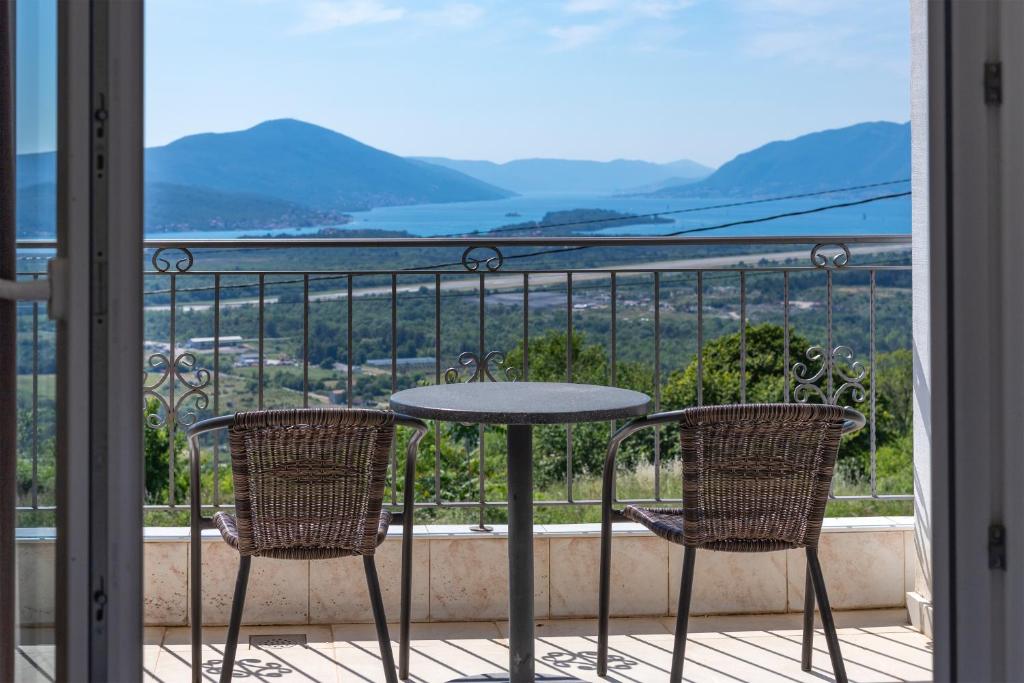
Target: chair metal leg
(808, 650)
(604, 593)
(405, 615)
(380, 618)
(406, 610)
(241, 583)
(683, 615)
(838, 668)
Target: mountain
(309, 165)
(283, 173)
(856, 155)
(35, 210)
(570, 176)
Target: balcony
(347, 322)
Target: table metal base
(520, 554)
(504, 678)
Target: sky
(657, 80)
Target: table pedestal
(520, 553)
(520, 566)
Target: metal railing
(229, 284)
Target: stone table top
(520, 403)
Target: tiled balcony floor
(877, 646)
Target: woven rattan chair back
(310, 482)
(757, 477)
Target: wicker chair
(756, 478)
(309, 485)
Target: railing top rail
(602, 272)
(485, 239)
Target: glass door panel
(35, 220)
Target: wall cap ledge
(830, 525)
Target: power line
(692, 209)
(720, 226)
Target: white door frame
(99, 592)
(976, 192)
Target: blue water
(890, 216)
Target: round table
(520, 405)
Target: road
(470, 281)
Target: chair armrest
(854, 420)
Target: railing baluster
(657, 384)
(614, 351)
(482, 430)
(263, 359)
(172, 418)
(874, 379)
(700, 337)
(216, 388)
(568, 378)
(743, 337)
(35, 402)
(785, 336)
(828, 329)
(305, 340)
(828, 355)
(394, 379)
(348, 342)
(437, 380)
(526, 327)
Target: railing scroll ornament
(830, 256)
(481, 372)
(840, 363)
(164, 265)
(473, 263)
(185, 409)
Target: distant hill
(571, 176)
(182, 207)
(855, 155)
(35, 210)
(282, 173)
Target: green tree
(765, 383)
(157, 452)
(765, 369)
(590, 364)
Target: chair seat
(667, 523)
(228, 527)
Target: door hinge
(993, 82)
(997, 547)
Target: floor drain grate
(278, 641)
